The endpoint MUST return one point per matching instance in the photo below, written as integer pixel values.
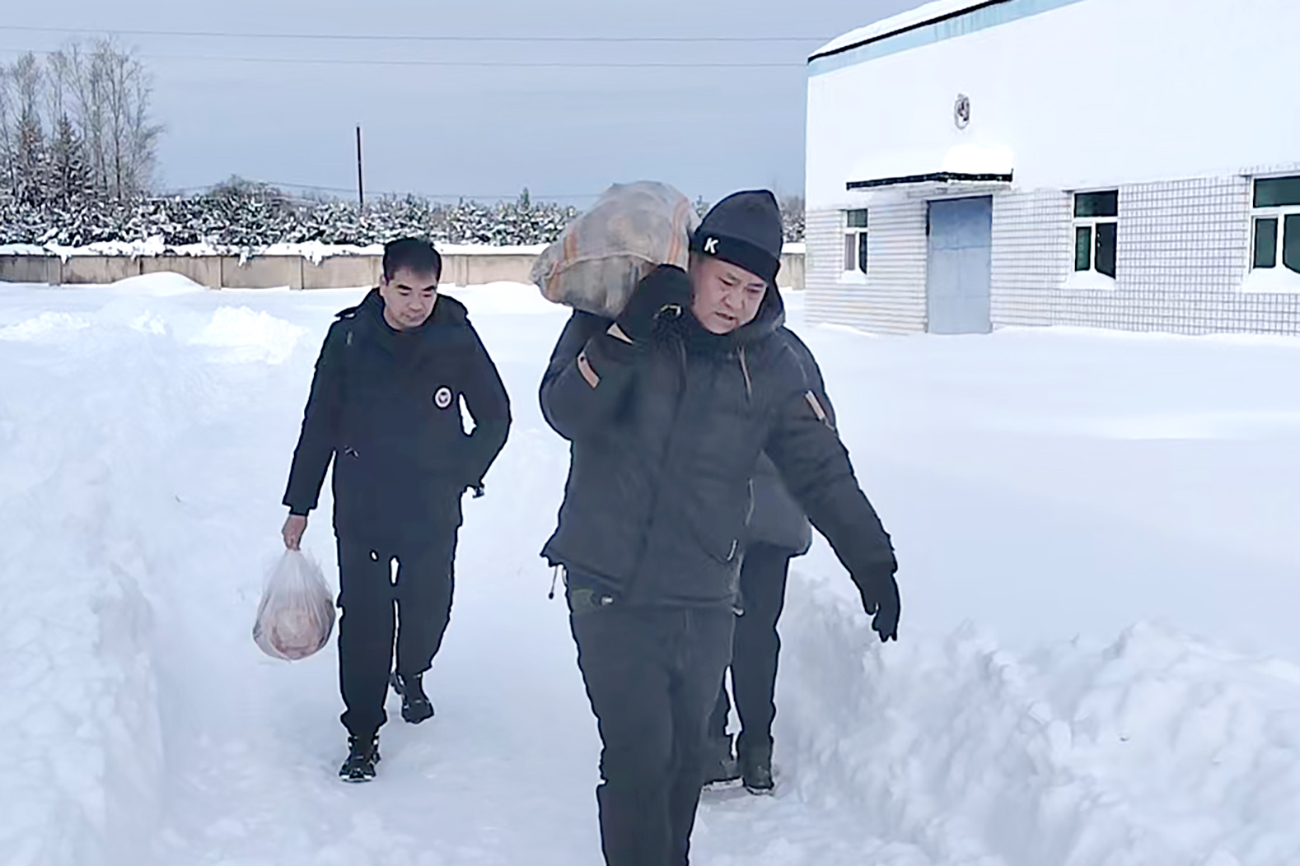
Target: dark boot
(756, 767)
(720, 768)
(363, 754)
(416, 706)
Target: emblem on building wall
(961, 111)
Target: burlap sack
(602, 255)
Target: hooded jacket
(385, 407)
(665, 439)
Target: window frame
(856, 239)
(1090, 224)
(1280, 215)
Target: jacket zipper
(744, 369)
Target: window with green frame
(1275, 226)
(855, 241)
(1096, 232)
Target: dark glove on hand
(880, 599)
(666, 291)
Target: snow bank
(160, 285)
(1155, 750)
(250, 336)
(81, 781)
(42, 326)
(94, 435)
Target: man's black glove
(665, 292)
(880, 599)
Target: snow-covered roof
(964, 161)
(904, 21)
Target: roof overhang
(965, 164)
(938, 177)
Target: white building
(1125, 164)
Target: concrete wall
(477, 270)
(204, 271)
(261, 272)
(338, 272)
(98, 269)
(29, 269)
(265, 272)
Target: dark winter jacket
(665, 438)
(385, 406)
(778, 520)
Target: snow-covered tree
(71, 179)
(31, 163)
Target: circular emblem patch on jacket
(442, 397)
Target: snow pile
(248, 336)
(1155, 750)
(160, 285)
(44, 325)
(95, 432)
(82, 779)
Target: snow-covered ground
(1098, 665)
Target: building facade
(1129, 164)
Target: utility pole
(361, 189)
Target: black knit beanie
(745, 230)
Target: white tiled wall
(1183, 253)
(1033, 252)
(892, 298)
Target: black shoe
(416, 707)
(720, 768)
(756, 768)
(363, 754)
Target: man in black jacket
(667, 410)
(778, 532)
(385, 406)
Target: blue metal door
(959, 267)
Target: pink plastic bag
(296, 615)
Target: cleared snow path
(1042, 485)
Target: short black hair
(414, 254)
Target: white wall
(892, 298)
(1099, 93)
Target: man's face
(408, 298)
(727, 296)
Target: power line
(393, 37)
(487, 64)
(391, 194)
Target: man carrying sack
(668, 408)
(385, 407)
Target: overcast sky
(482, 131)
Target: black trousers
(380, 583)
(652, 675)
(756, 647)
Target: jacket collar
(446, 311)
